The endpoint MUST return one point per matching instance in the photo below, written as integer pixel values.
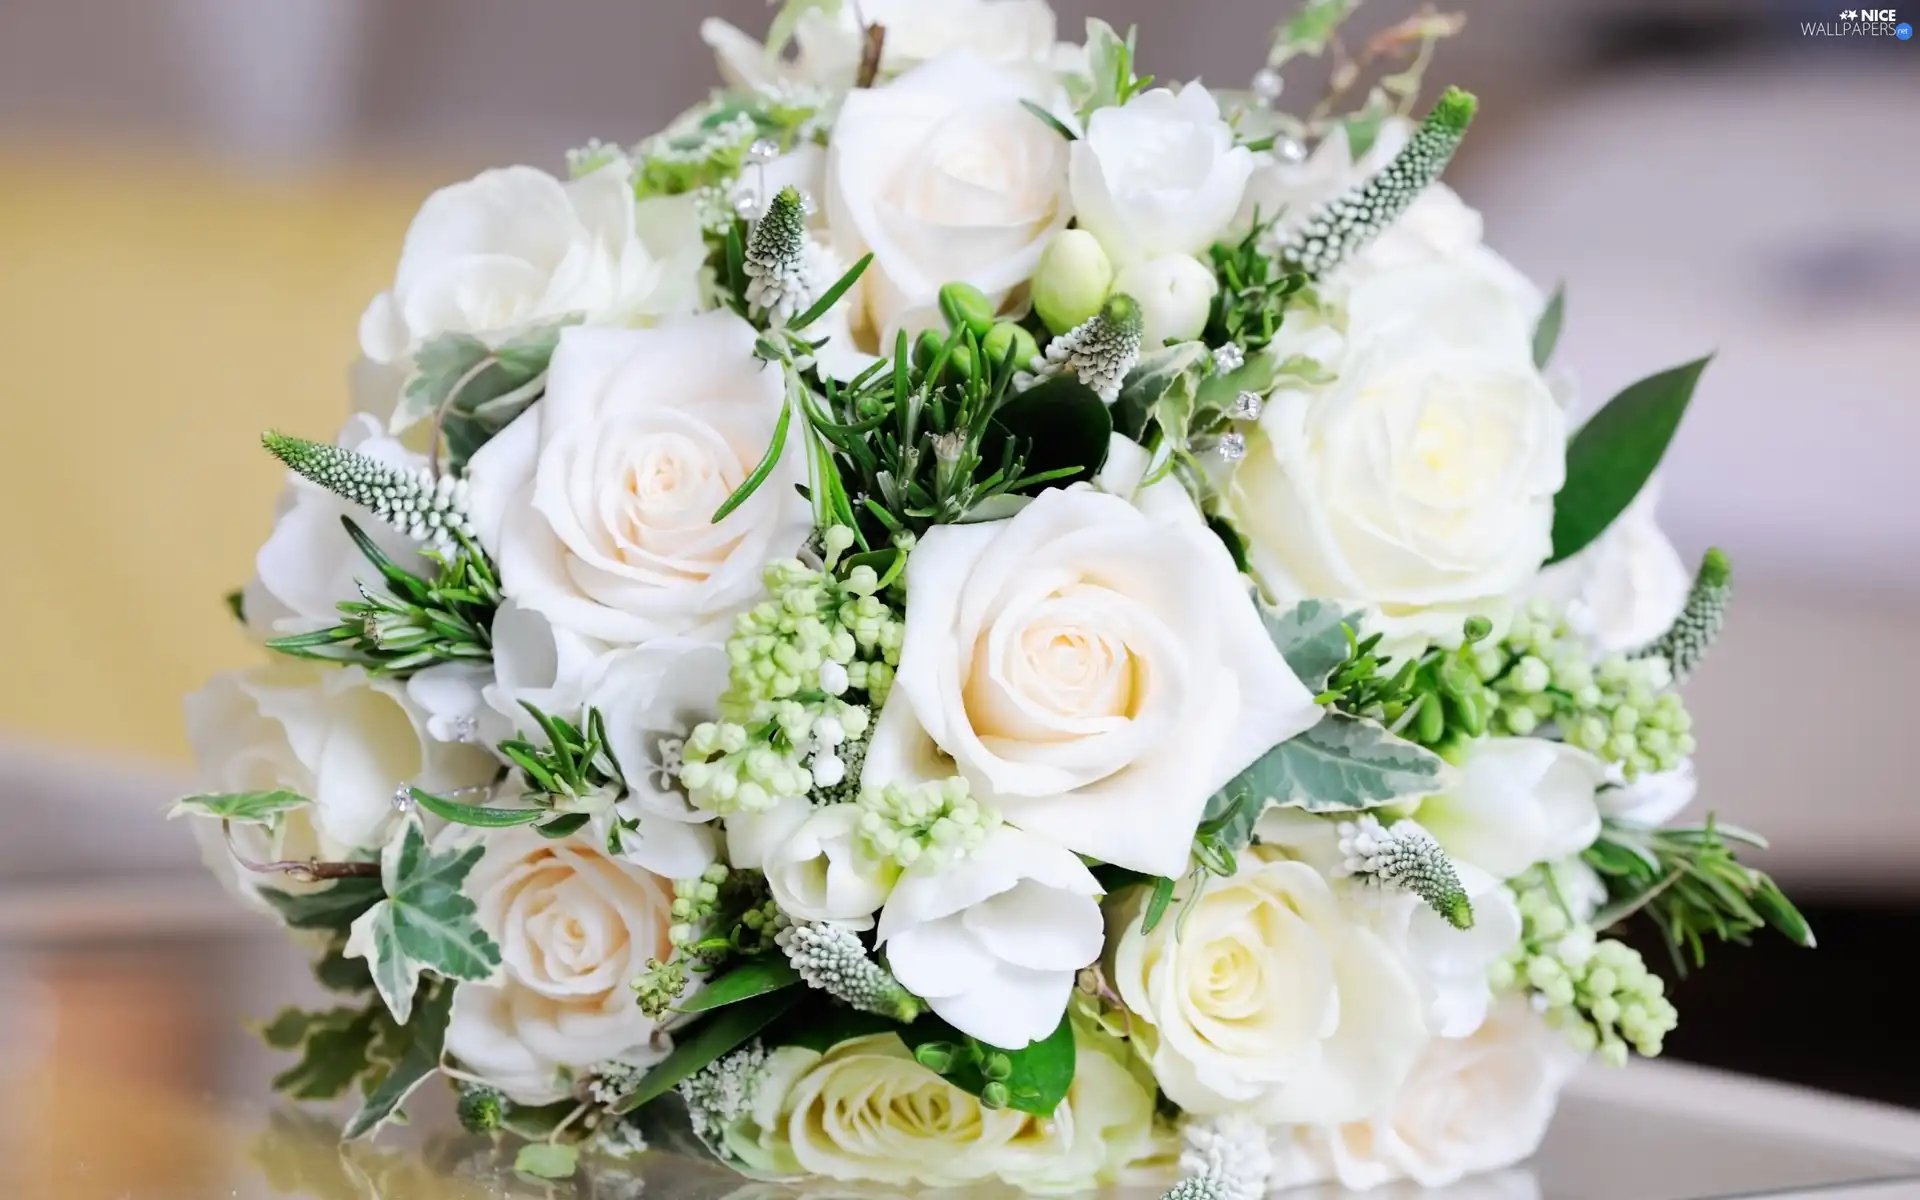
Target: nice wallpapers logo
(1860, 22)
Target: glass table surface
(127, 1072)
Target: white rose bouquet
(956, 616)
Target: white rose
(1517, 802)
(651, 698)
(993, 940)
(1450, 965)
(1158, 175)
(346, 740)
(828, 43)
(1269, 998)
(1471, 1105)
(309, 564)
(867, 1111)
(575, 928)
(817, 872)
(597, 504)
(1095, 670)
(1653, 799)
(1175, 293)
(514, 247)
(1423, 472)
(944, 178)
(1627, 586)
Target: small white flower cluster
(1225, 1158)
(721, 1092)
(429, 510)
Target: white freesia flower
(1158, 175)
(1627, 586)
(866, 1111)
(753, 836)
(817, 872)
(992, 941)
(342, 738)
(1423, 471)
(575, 927)
(515, 247)
(598, 503)
(1652, 799)
(1517, 802)
(828, 41)
(1095, 669)
(1270, 998)
(1471, 1105)
(651, 698)
(309, 564)
(944, 177)
(1450, 965)
(1175, 293)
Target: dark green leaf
(249, 807)
(1052, 121)
(726, 1030)
(819, 1024)
(1312, 637)
(1157, 904)
(428, 1030)
(237, 605)
(476, 815)
(831, 296)
(752, 482)
(1546, 333)
(334, 907)
(1616, 452)
(1342, 764)
(426, 923)
(1058, 424)
(756, 977)
(1042, 1071)
(335, 1048)
(565, 825)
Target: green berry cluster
(1621, 709)
(1437, 699)
(660, 985)
(931, 823)
(694, 903)
(807, 666)
(1598, 990)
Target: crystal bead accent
(403, 798)
(1229, 358)
(763, 151)
(1231, 447)
(1289, 150)
(1247, 406)
(746, 203)
(465, 728)
(1267, 86)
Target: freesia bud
(1072, 280)
(1175, 293)
(1007, 335)
(966, 307)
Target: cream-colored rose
(515, 247)
(1517, 802)
(1471, 1105)
(867, 1112)
(1422, 470)
(342, 738)
(1158, 175)
(944, 177)
(828, 40)
(1094, 668)
(1269, 998)
(575, 927)
(598, 503)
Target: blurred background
(198, 197)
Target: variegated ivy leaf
(425, 923)
(256, 808)
(425, 1038)
(1312, 637)
(1163, 388)
(338, 1048)
(1343, 764)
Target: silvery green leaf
(425, 923)
(257, 808)
(1312, 637)
(1343, 764)
(1164, 387)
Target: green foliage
(1314, 636)
(1546, 331)
(1110, 78)
(425, 923)
(413, 623)
(1689, 882)
(573, 765)
(1164, 390)
(1616, 452)
(1342, 764)
(723, 1031)
(1435, 700)
(547, 1160)
(706, 147)
(1033, 1079)
(788, 19)
(338, 1048)
(1309, 30)
(255, 808)
(477, 815)
(333, 908)
(755, 977)
(427, 1037)
(474, 390)
(1255, 289)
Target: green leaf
(1363, 130)
(764, 468)
(831, 296)
(819, 1024)
(565, 825)
(1059, 424)
(237, 605)
(1616, 452)
(335, 1048)
(1157, 904)
(726, 1030)
(252, 807)
(425, 923)
(756, 977)
(1342, 764)
(1164, 387)
(1218, 392)
(1312, 637)
(336, 972)
(476, 815)
(335, 907)
(547, 1160)
(1052, 121)
(428, 1031)
(1309, 30)
(1042, 1071)
(493, 386)
(1546, 333)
